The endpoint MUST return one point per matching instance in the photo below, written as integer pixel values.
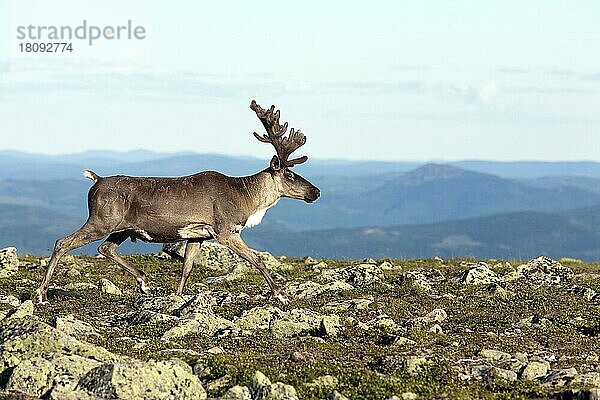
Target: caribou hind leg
(191, 249)
(88, 233)
(108, 249)
(234, 242)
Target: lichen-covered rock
(382, 323)
(360, 275)
(281, 391)
(74, 327)
(506, 374)
(206, 323)
(337, 396)
(238, 393)
(10, 300)
(160, 304)
(9, 263)
(25, 338)
(435, 316)
(258, 318)
(585, 292)
(287, 323)
(220, 258)
(544, 270)
(260, 386)
(310, 289)
(423, 279)
(324, 381)
(589, 379)
(132, 379)
(415, 364)
(23, 310)
(478, 274)
(494, 355)
(106, 286)
(35, 376)
(349, 305)
(534, 370)
(560, 377)
(330, 325)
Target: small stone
(9, 262)
(589, 379)
(215, 350)
(108, 287)
(330, 325)
(494, 355)
(409, 396)
(337, 396)
(534, 370)
(436, 329)
(74, 327)
(73, 273)
(281, 391)
(477, 274)
(80, 286)
(324, 381)
(497, 290)
(298, 356)
(414, 364)
(437, 315)
(260, 387)
(310, 261)
(505, 374)
(238, 393)
(217, 384)
(10, 300)
(24, 310)
(559, 377)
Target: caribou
(193, 208)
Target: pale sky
(389, 80)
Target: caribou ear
(275, 163)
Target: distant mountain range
(517, 235)
(388, 209)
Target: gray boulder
(238, 393)
(37, 375)
(74, 327)
(423, 279)
(544, 270)
(218, 257)
(25, 338)
(108, 287)
(133, 379)
(310, 289)
(359, 275)
(9, 263)
(478, 274)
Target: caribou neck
(260, 190)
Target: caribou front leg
(234, 242)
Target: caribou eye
(289, 175)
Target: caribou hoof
(144, 287)
(282, 297)
(41, 298)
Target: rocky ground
(376, 329)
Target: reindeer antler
(284, 145)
